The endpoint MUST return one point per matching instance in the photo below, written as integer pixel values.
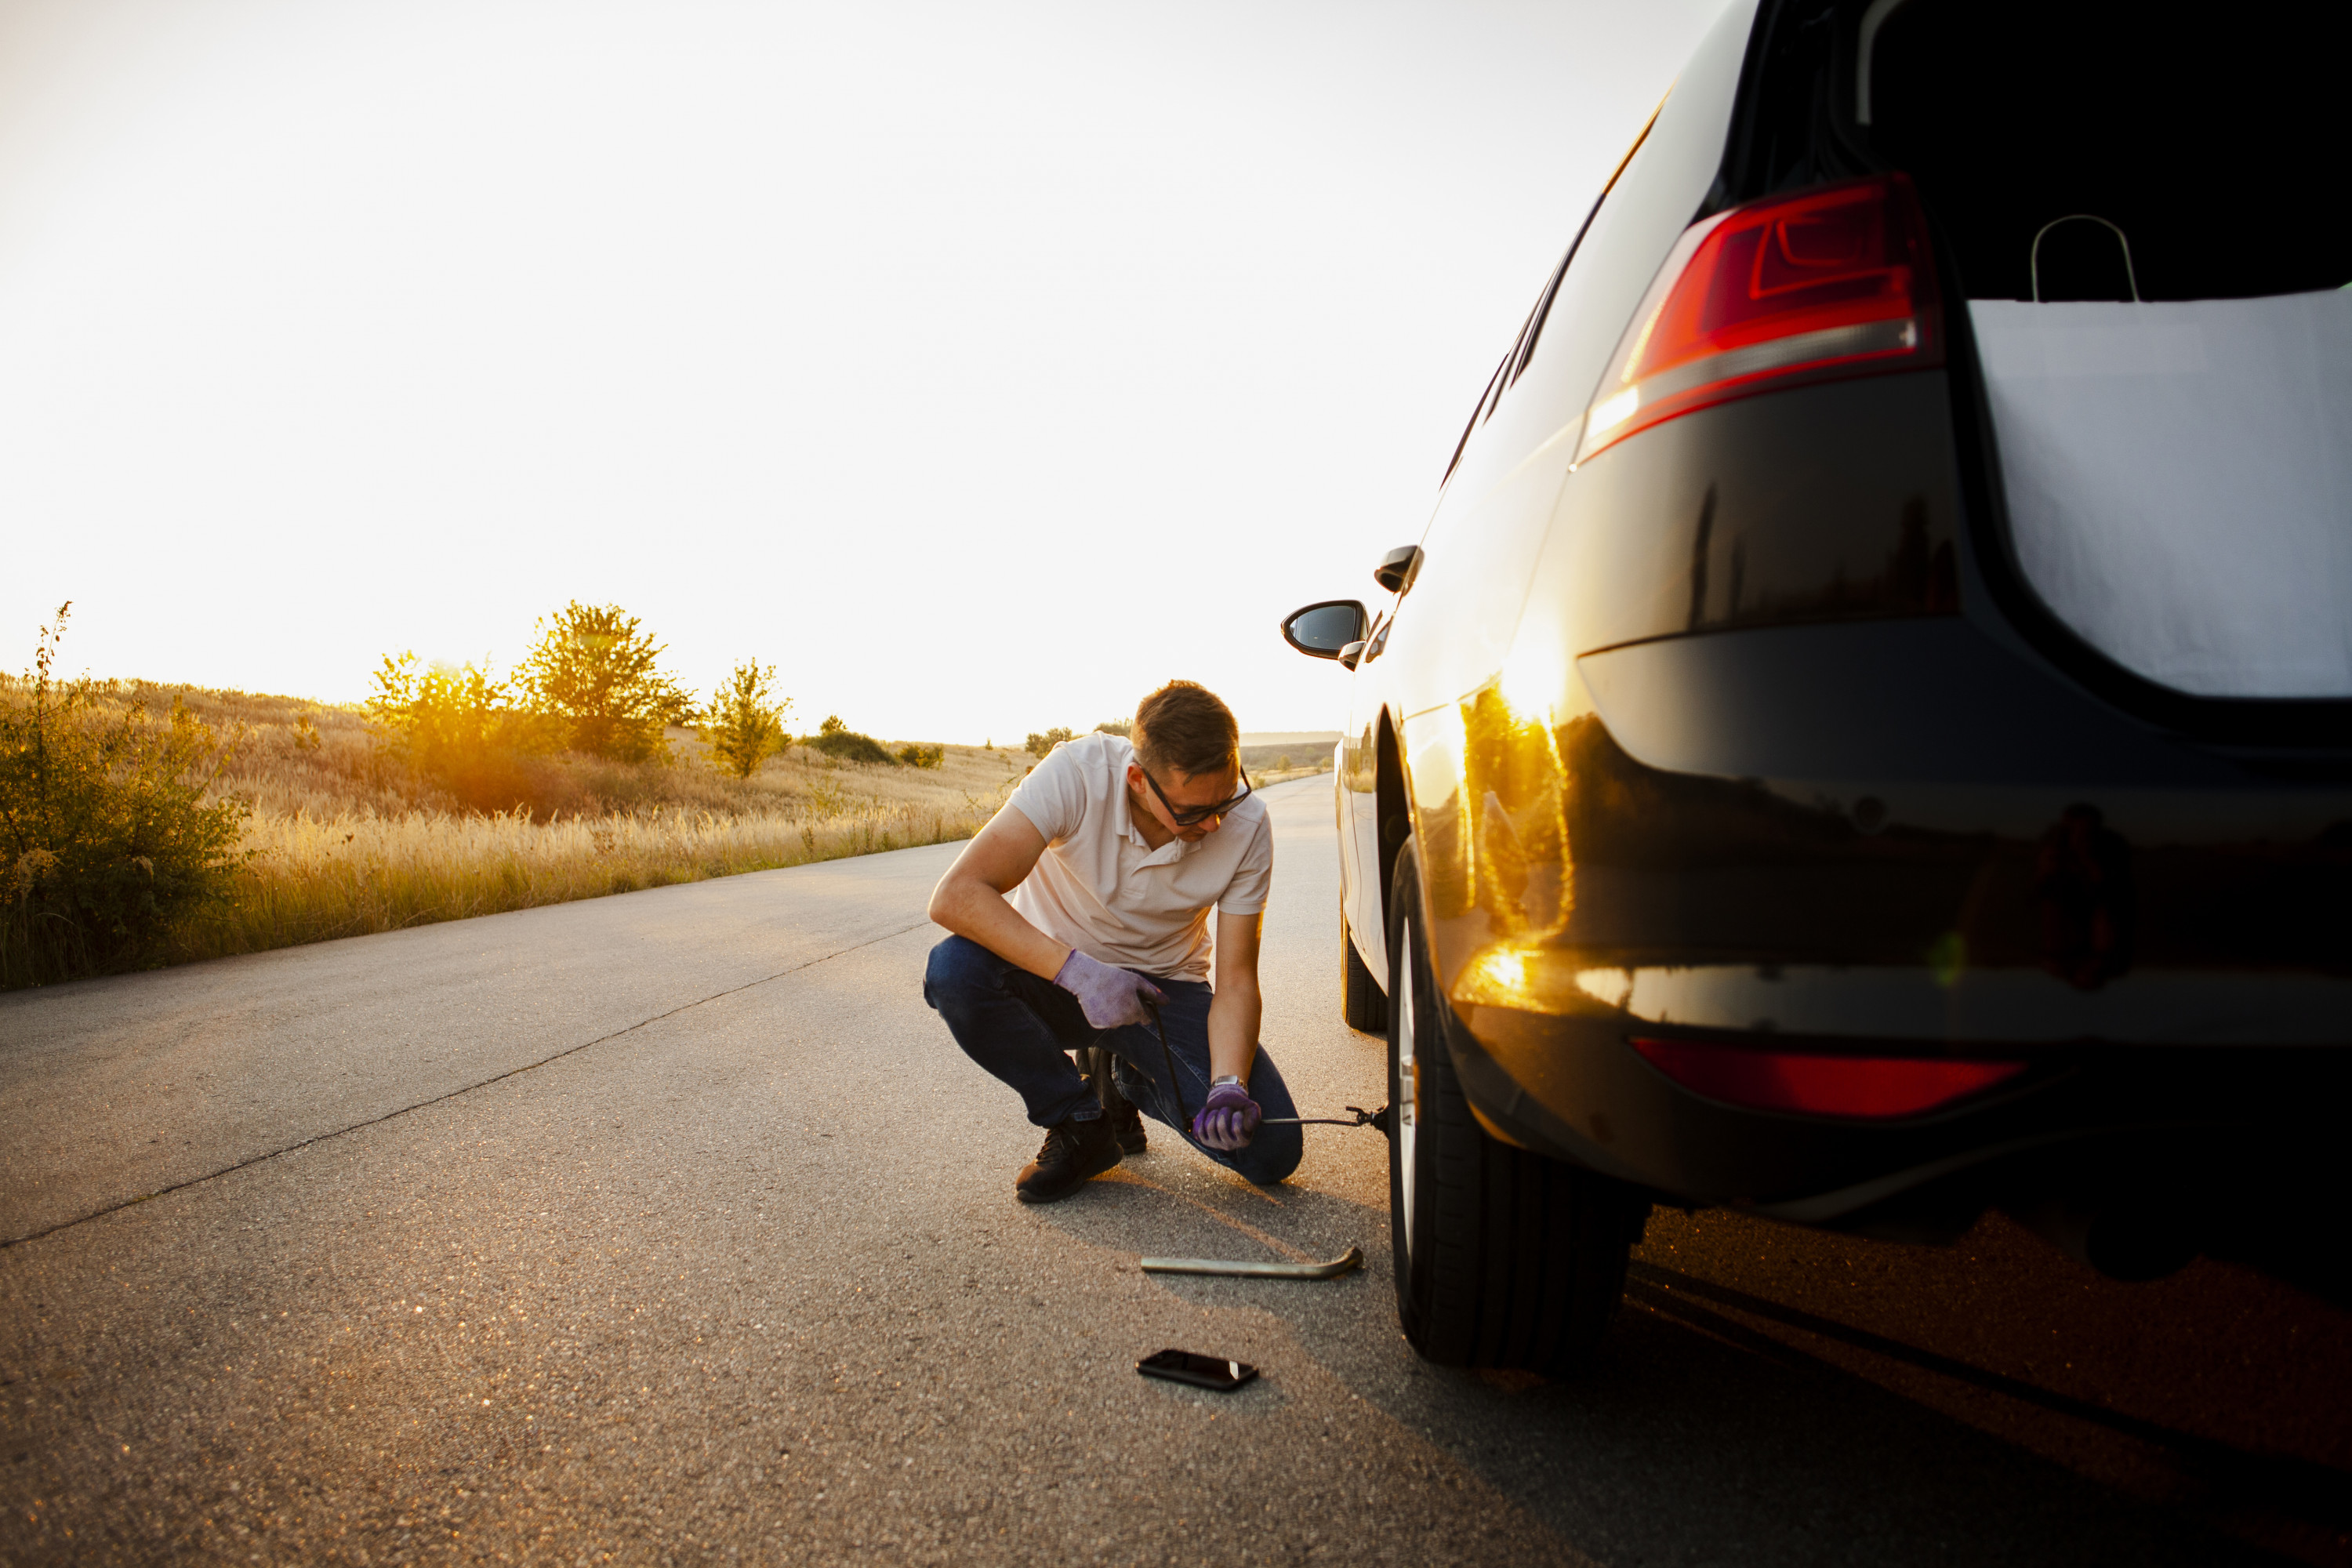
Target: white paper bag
(2179, 480)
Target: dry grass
(314, 877)
(342, 844)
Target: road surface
(673, 1228)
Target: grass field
(341, 842)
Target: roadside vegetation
(143, 824)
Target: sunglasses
(1192, 816)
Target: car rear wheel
(1503, 1258)
(1363, 1005)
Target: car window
(1660, 190)
(1486, 403)
(1534, 332)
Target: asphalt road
(673, 1227)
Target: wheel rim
(1406, 1091)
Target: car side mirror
(1398, 568)
(1325, 630)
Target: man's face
(1185, 792)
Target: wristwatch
(1225, 1077)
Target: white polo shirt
(1104, 891)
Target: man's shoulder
(1093, 756)
(1100, 749)
(1092, 763)
(1068, 795)
(1247, 826)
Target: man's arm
(1234, 1013)
(969, 900)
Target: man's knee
(960, 968)
(1271, 1155)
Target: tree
(434, 716)
(459, 728)
(593, 671)
(744, 725)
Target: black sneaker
(1073, 1151)
(1127, 1126)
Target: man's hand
(1109, 997)
(1227, 1119)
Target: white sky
(978, 365)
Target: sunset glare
(980, 366)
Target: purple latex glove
(1227, 1119)
(1109, 996)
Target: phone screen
(1201, 1371)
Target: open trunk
(2147, 233)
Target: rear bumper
(1897, 837)
(2082, 1120)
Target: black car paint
(1794, 707)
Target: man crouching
(1113, 855)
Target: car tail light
(1834, 281)
(1812, 1084)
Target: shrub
(594, 672)
(744, 725)
(1038, 745)
(919, 756)
(459, 730)
(105, 836)
(837, 739)
(1122, 728)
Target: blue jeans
(1017, 1026)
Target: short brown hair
(1183, 726)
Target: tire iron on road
(1351, 1258)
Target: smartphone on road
(1200, 1371)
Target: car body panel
(1746, 730)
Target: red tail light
(1834, 281)
(1881, 1088)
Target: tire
(1363, 1005)
(1503, 1258)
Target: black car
(1867, 734)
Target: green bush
(106, 838)
(837, 739)
(594, 672)
(744, 725)
(919, 756)
(1122, 728)
(1038, 745)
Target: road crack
(296, 1148)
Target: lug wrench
(1347, 1261)
(1356, 1115)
